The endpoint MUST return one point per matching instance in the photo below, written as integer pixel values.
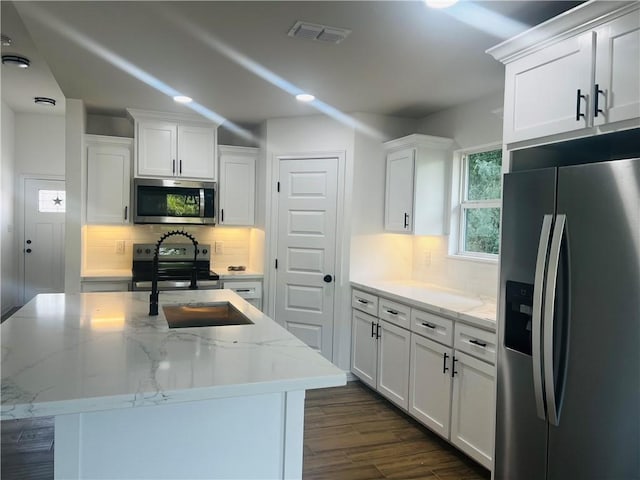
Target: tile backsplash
(100, 244)
(433, 264)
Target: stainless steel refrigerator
(568, 375)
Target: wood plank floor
(350, 433)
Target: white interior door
(43, 249)
(306, 250)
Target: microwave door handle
(548, 319)
(202, 209)
(536, 339)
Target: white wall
(392, 253)
(473, 124)
(108, 125)
(8, 267)
(39, 144)
(75, 126)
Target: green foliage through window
(182, 205)
(481, 203)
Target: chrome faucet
(153, 298)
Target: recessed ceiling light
(16, 60)
(305, 97)
(45, 101)
(182, 99)
(5, 41)
(441, 3)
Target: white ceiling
(401, 58)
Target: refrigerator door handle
(548, 318)
(536, 339)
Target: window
(51, 201)
(480, 202)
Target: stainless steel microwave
(174, 201)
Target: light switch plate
(219, 247)
(120, 247)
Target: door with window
(306, 250)
(43, 249)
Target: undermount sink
(216, 314)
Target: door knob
(328, 278)
(28, 250)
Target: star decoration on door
(57, 200)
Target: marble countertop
(72, 353)
(473, 309)
(235, 275)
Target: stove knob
(139, 250)
(147, 251)
(204, 251)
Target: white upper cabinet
(418, 170)
(618, 70)
(576, 74)
(108, 183)
(170, 145)
(237, 186)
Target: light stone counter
(472, 309)
(124, 386)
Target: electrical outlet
(219, 247)
(427, 258)
(120, 247)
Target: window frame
(461, 205)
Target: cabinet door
(618, 70)
(393, 363)
(541, 90)
(430, 384)
(108, 184)
(237, 187)
(398, 205)
(196, 152)
(473, 408)
(157, 147)
(364, 346)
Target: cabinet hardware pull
(243, 289)
(476, 342)
(579, 96)
(373, 335)
(173, 169)
(364, 302)
(406, 220)
(444, 363)
(392, 312)
(126, 212)
(378, 335)
(180, 167)
(453, 367)
(596, 96)
(222, 215)
(429, 325)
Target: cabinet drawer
(432, 326)
(364, 302)
(245, 289)
(395, 313)
(475, 342)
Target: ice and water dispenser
(518, 312)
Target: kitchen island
(133, 398)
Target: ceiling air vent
(321, 33)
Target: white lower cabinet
(250, 290)
(364, 347)
(393, 363)
(473, 408)
(443, 379)
(105, 286)
(380, 356)
(430, 380)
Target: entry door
(306, 250)
(43, 249)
